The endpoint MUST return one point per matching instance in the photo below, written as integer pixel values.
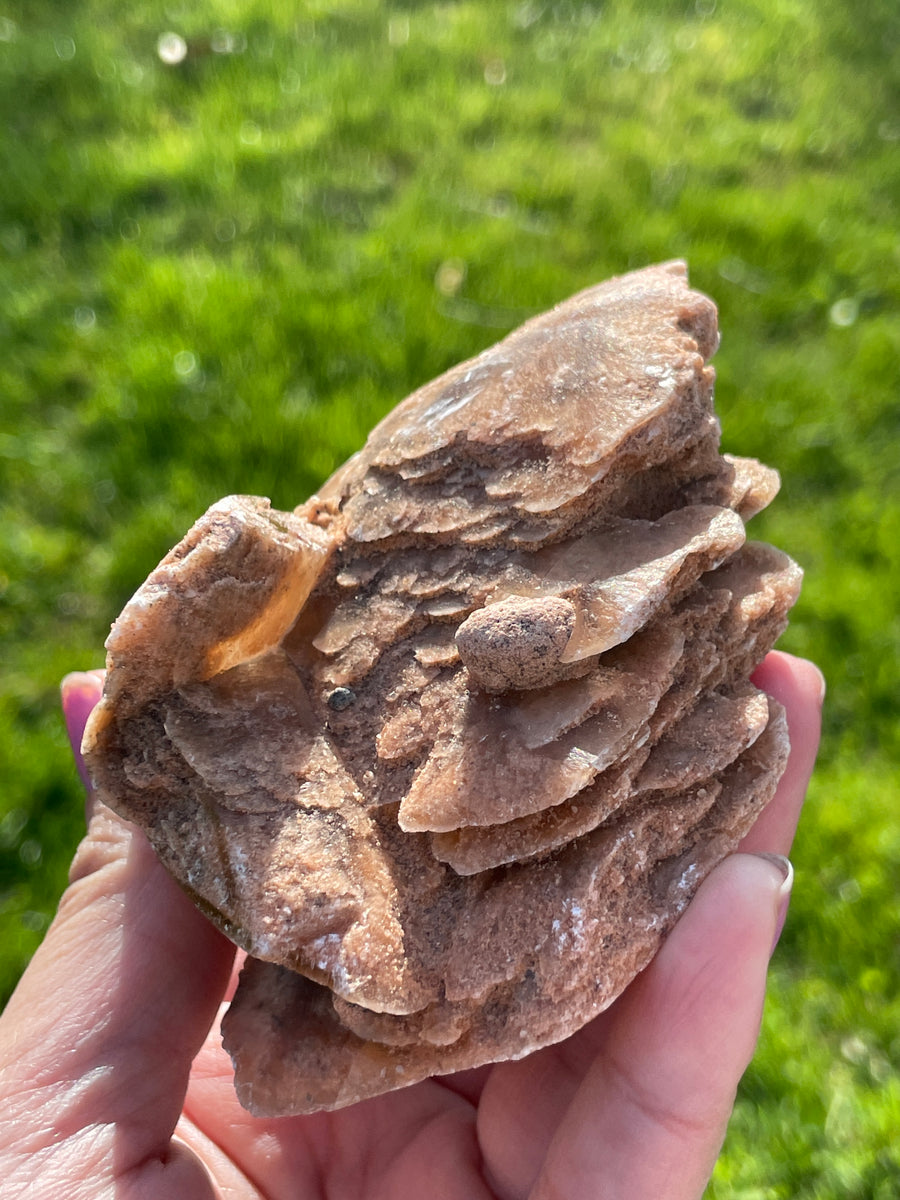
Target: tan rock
(450, 747)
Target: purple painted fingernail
(79, 693)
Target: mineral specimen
(449, 748)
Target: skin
(113, 1082)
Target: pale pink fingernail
(786, 868)
(79, 693)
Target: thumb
(97, 1041)
(652, 1112)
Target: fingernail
(79, 693)
(823, 686)
(785, 867)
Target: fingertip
(821, 684)
(783, 867)
(800, 687)
(736, 911)
(79, 692)
(769, 880)
(789, 678)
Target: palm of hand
(627, 1100)
(106, 1049)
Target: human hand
(113, 1081)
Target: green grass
(217, 275)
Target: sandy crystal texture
(449, 748)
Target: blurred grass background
(225, 252)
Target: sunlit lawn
(218, 272)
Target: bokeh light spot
(84, 318)
(185, 364)
(495, 72)
(171, 48)
(844, 312)
(450, 276)
(223, 42)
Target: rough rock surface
(449, 748)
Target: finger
(800, 687)
(650, 1117)
(100, 1033)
